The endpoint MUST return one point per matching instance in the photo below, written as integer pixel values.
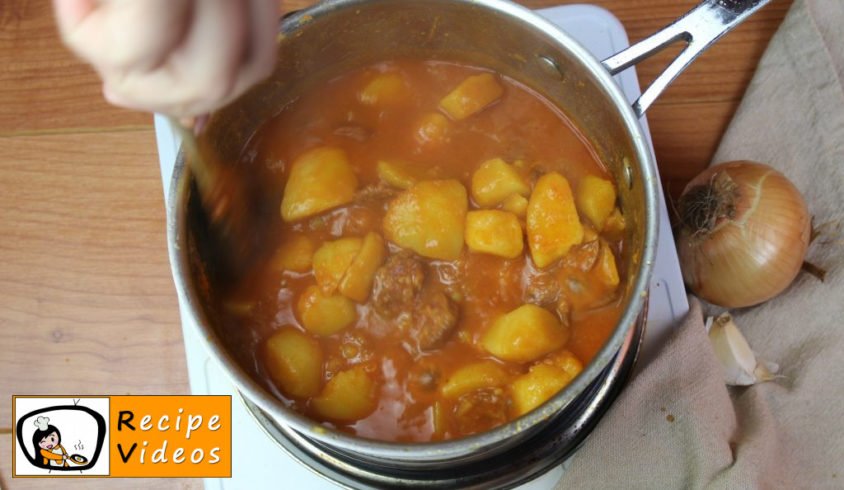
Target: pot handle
(699, 28)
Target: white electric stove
(257, 461)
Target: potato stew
(446, 258)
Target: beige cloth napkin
(677, 425)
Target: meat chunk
(542, 290)
(583, 256)
(563, 310)
(375, 193)
(398, 294)
(396, 285)
(481, 410)
(545, 290)
(356, 221)
(422, 313)
(434, 318)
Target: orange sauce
(520, 126)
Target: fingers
(123, 34)
(229, 45)
(196, 75)
(209, 60)
(181, 57)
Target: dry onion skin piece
(741, 366)
(744, 231)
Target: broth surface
(404, 354)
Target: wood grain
(688, 120)
(87, 304)
(43, 87)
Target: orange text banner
(170, 436)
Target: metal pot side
(338, 35)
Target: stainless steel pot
(338, 35)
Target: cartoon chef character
(47, 441)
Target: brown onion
(744, 232)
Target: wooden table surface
(87, 304)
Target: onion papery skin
(752, 252)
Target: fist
(178, 57)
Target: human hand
(178, 57)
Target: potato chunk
(429, 218)
(384, 90)
(325, 315)
(605, 269)
(399, 174)
(516, 204)
(294, 362)
(494, 232)
(357, 282)
(596, 199)
(332, 260)
(433, 129)
(495, 181)
(566, 361)
(542, 382)
(552, 222)
(525, 334)
(320, 179)
(350, 395)
(472, 95)
(614, 225)
(295, 254)
(484, 374)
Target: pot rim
(193, 312)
